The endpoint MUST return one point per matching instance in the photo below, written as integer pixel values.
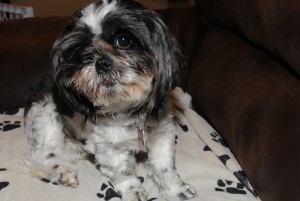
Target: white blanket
(202, 159)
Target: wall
(44, 8)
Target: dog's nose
(103, 65)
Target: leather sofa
(243, 74)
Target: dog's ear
(63, 69)
(169, 62)
(71, 100)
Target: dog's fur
(106, 95)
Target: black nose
(103, 65)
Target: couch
(243, 75)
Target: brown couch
(243, 75)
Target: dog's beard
(128, 84)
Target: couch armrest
(253, 101)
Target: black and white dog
(106, 95)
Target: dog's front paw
(66, 177)
(180, 98)
(133, 195)
(186, 192)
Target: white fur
(113, 140)
(41, 126)
(93, 15)
(44, 129)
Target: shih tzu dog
(106, 95)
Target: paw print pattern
(107, 192)
(3, 184)
(176, 139)
(241, 176)
(224, 158)
(207, 148)
(229, 187)
(217, 138)
(184, 127)
(48, 181)
(8, 125)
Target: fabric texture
(253, 102)
(272, 25)
(203, 159)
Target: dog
(107, 95)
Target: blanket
(203, 160)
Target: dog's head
(115, 56)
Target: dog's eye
(87, 61)
(123, 41)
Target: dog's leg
(119, 165)
(161, 162)
(51, 153)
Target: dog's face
(115, 56)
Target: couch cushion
(254, 103)
(25, 56)
(273, 25)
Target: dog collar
(140, 126)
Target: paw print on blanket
(8, 125)
(207, 148)
(48, 181)
(184, 127)
(217, 138)
(108, 192)
(3, 184)
(229, 187)
(223, 158)
(176, 139)
(241, 176)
